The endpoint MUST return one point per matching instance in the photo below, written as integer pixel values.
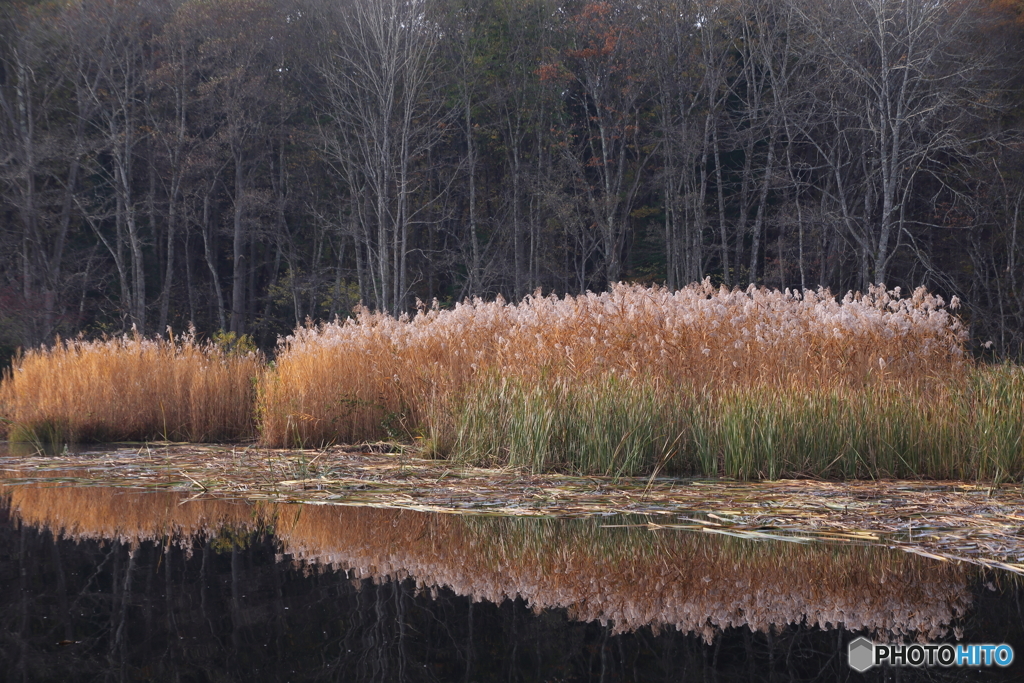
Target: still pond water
(104, 584)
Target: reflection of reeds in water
(634, 577)
(124, 515)
(131, 388)
(630, 577)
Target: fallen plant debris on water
(947, 521)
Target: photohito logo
(865, 654)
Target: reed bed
(968, 429)
(131, 388)
(749, 383)
(752, 384)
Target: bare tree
(174, 80)
(40, 166)
(608, 66)
(109, 43)
(378, 67)
(904, 82)
(690, 94)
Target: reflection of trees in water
(624, 577)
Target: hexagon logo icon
(862, 654)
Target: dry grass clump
(130, 388)
(600, 382)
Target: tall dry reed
(129, 388)
(751, 384)
(623, 381)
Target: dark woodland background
(247, 164)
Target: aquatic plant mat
(946, 521)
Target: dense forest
(246, 165)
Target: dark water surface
(109, 584)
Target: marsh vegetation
(707, 381)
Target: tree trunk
(238, 250)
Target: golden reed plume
(131, 388)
